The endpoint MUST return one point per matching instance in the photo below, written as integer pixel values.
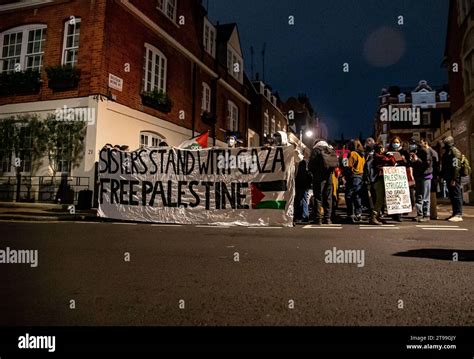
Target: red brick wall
(90, 49)
(111, 37)
(126, 38)
(453, 52)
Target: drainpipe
(246, 133)
(193, 111)
(214, 107)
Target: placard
(397, 191)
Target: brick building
(421, 111)
(266, 115)
(152, 71)
(303, 120)
(459, 61)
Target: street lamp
(308, 134)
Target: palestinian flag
(196, 142)
(265, 195)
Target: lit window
(24, 46)
(233, 116)
(155, 70)
(72, 29)
(273, 125)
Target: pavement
(55, 212)
(180, 275)
(44, 212)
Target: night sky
(308, 57)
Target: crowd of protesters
(360, 176)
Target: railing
(45, 189)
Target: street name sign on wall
(397, 191)
(244, 186)
(115, 82)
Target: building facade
(417, 112)
(266, 115)
(303, 120)
(459, 61)
(148, 72)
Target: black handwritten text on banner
(253, 186)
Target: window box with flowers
(20, 83)
(63, 78)
(208, 118)
(158, 100)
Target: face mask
(395, 146)
(413, 148)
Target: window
(206, 97)
(150, 139)
(5, 161)
(443, 96)
(426, 119)
(429, 136)
(233, 116)
(24, 46)
(272, 129)
(72, 29)
(155, 69)
(235, 62)
(8, 158)
(167, 7)
(209, 38)
(63, 164)
(266, 123)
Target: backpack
(330, 159)
(370, 174)
(465, 167)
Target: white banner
(244, 186)
(397, 191)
